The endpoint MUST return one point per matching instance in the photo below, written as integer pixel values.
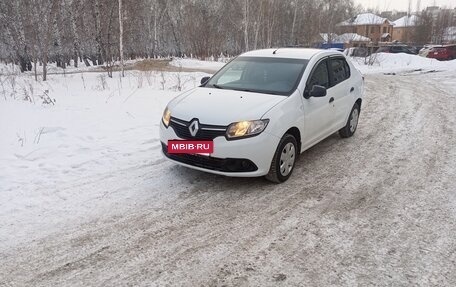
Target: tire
(287, 150)
(352, 123)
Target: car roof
(293, 53)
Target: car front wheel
(284, 159)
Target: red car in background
(443, 53)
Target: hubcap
(354, 120)
(287, 159)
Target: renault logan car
(261, 110)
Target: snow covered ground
(87, 199)
(96, 125)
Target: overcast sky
(401, 5)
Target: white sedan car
(261, 110)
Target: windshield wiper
(259, 91)
(217, 86)
(246, 90)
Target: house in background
(369, 25)
(403, 28)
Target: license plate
(191, 147)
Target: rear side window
(340, 70)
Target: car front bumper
(248, 157)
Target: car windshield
(278, 76)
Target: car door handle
(352, 89)
(331, 100)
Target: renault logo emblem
(193, 128)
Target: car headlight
(246, 129)
(166, 117)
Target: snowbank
(382, 63)
(400, 63)
(197, 64)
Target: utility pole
(121, 38)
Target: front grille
(205, 132)
(212, 163)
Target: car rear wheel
(284, 159)
(352, 123)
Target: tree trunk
(34, 69)
(74, 16)
(121, 39)
(98, 38)
(45, 59)
(58, 38)
(295, 12)
(47, 37)
(246, 24)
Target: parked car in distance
(443, 53)
(417, 49)
(423, 52)
(261, 110)
(396, 49)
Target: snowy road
(375, 209)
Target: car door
(317, 111)
(341, 89)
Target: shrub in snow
(102, 80)
(148, 76)
(163, 80)
(46, 99)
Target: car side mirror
(204, 80)
(317, 91)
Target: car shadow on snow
(305, 164)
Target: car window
(233, 73)
(340, 70)
(268, 75)
(319, 76)
(408, 50)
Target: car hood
(222, 107)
